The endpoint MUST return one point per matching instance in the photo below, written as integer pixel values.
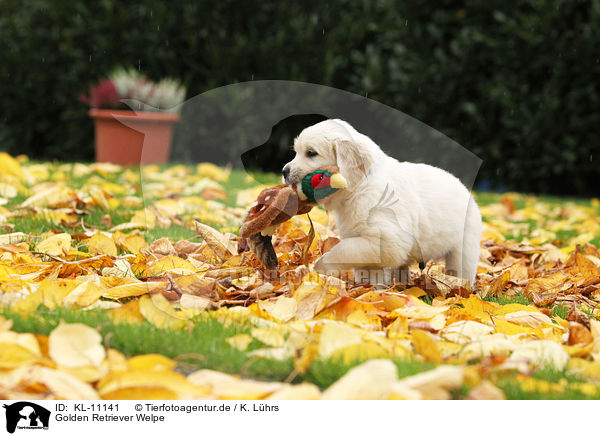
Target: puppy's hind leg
(454, 262)
(462, 261)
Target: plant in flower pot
(134, 117)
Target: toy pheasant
(279, 203)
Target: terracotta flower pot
(131, 138)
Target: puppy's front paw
(320, 265)
(325, 266)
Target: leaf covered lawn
(117, 283)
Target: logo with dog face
(26, 415)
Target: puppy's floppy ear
(353, 160)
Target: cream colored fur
(392, 213)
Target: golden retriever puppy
(393, 213)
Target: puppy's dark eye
(311, 153)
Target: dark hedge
(517, 83)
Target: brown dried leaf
(578, 316)
(579, 334)
(215, 240)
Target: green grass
(515, 390)
(206, 339)
(501, 299)
(561, 310)
(238, 180)
(34, 224)
(37, 224)
(175, 233)
(117, 216)
(522, 201)
(323, 372)
(203, 346)
(487, 198)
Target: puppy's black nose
(285, 171)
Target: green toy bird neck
(315, 194)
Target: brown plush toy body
(279, 203)
(273, 206)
